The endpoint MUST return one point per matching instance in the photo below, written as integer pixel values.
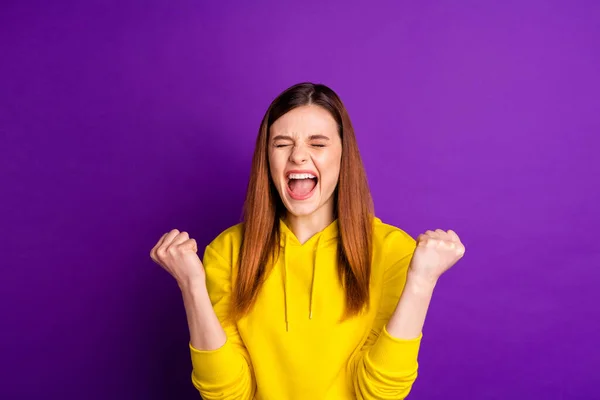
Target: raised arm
(221, 364)
(386, 368)
(436, 252)
(219, 371)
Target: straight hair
(263, 207)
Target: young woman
(312, 296)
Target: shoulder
(391, 242)
(384, 233)
(226, 245)
(231, 236)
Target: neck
(306, 226)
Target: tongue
(301, 187)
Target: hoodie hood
(288, 241)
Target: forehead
(304, 121)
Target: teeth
(301, 176)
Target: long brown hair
(263, 206)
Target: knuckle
(172, 250)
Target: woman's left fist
(435, 253)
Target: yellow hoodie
(292, 345)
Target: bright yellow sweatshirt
(292, 345)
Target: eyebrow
(311, 137)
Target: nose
(299, 155)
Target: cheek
(275, 166)
(330, 169)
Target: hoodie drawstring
(312, 283)
(285, 283)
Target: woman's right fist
(177, 254)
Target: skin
(293, 145)
(306, 138)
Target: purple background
(121, 120)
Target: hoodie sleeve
(224, 373)
(386, 367)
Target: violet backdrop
(120, 120)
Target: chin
(301, 208)
(302, 211)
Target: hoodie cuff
(214, 365)
(394, 355)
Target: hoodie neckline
(320, 238)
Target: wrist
(192, 287)
(419, 283)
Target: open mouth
(301, 185)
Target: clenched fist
(177, 254)
(435, 253)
